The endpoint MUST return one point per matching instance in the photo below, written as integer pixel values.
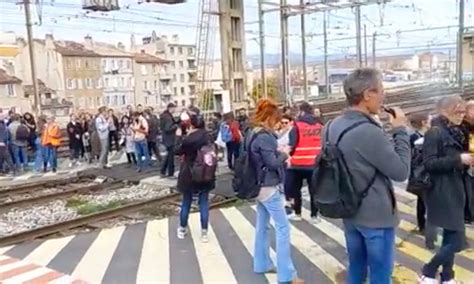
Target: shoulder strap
(352, 127)
(252, 138)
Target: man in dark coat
(153, 131)
(168, 126)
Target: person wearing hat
(168, 127)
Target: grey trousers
(104, 151)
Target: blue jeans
(370, 250)
(274, 207)
(141, 149)
(40, 155)
(453, 242)
(203, 208)
(20, 156)
(51, 156)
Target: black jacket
(153, 128)
(168, 128)
(187, 147)
(74, 132)
(446, 198)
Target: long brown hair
(267, 114)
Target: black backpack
(245, 182)
(419, 179)
(332, 188)
(22, 133)
(204, 167)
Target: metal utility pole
(29, 31)
(284, 50)
(326, 69)
(303, 52)
(459, 59)
(374, 58)
(365, 46)
(261, 33)
(358, 36)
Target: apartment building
(67, 67)
(182, 64)
(116, 68)
(152, 81)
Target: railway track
(35, 196)
(96, 217)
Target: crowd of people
(286, 147)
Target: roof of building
(43, 89)
(72, 48)
(108, 50)
(8, 79)
(148, 58)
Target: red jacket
(235, 130)
(308, 144)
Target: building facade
(11, 94)
(152, 81)
(182, 65)
(117, 78)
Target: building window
(236, 60)
(180, 50)
(99, 83)
(190, 51)
(91, 102)
(182, 91)
(175, 91)
(98, 101)
(120, 63)
(181, 64)
(104, 64)
(173, 64)
(89, 83)
(122, 82)
(143, 70)
(183, 103)
(71, 84)
(69, 63)
(154, 69)
(86, 64)
(123, 101)
(106, 82)
(172, 50)
(155, 85)
(130, 82)
(146, 100)
(181, 78)
(174, 77)
(11, 90)
(129, 64)
(80, 84)
(145, 85)
(78, 63)
(235, 29)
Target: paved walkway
(151, 253)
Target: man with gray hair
(373, 161)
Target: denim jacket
(268, 161)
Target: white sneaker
(181, 232)
(294, 217)
(204, 237)
(315, 220)
(427, 280)
(70, 165)
(452, 281)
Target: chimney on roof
(154, 37)
(121, 46)
(20, 42)
(88, 42)
(175, 38)
(142, 51)
(133, 46)
(49, 41)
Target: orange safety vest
(308, 145)
(51, 135)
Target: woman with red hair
(269, 160)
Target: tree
(206, 99)
(273, 90)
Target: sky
(402, 25)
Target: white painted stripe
(66, 279)
(246, 233)
(314, 253)
(209, 254)
(4, 249)
(47, 251)
(40, 271)
(3, 257)
(404, 193)
(154, 264)
(94, 263)
(23, 177)
(13, 265)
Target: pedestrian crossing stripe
(156, 242)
